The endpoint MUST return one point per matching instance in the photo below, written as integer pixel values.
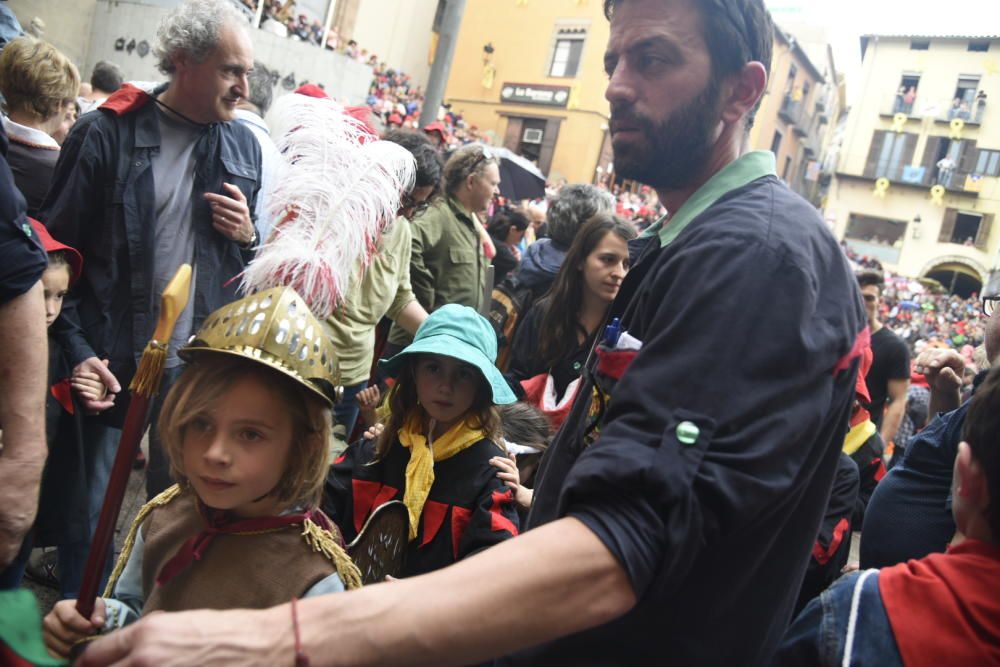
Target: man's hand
(85, 379)
(942, 368)
(205, 638)
(230, 214)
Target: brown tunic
(236, 571)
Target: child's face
(236, 453)
(446, 387)
(55, 283)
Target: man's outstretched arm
(23, 373)
(549, 582)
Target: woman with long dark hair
(551, 344)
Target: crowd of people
(354, 431)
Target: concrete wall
(399, 33)
(68, 31)
(89, 35)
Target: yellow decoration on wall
(881, 186)
(957, 125)
(489, 75)
(937, 195)
(574, 97)
(898, 121)
(522, 3)
(991, 67)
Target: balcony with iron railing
(894, 103)
(970, 114)
(805, 125)
(942, 111)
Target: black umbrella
(519, 177)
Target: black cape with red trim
(469, 508)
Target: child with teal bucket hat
(434, 452)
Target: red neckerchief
(220, 523)
(944, 609)
(62, 392)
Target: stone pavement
(135, 497)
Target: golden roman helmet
(276, 328)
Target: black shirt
(718, 448)
(890, 361)
(22, 258)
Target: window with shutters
(948, 161)
(987, 163)
(566, 55)
(889, 153)
(776, 142)
(968, 228)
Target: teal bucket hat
(461, 333)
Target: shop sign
(523, 93)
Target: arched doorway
(958, 278)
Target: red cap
(395, 118)
(51, 245)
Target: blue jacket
(539, 266)
(819, 636)
(102, 202)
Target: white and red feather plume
(339, 190)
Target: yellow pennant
(522, 3)
(991, 67)
(489, 75)
(574, 97)
(881, 186)
(898, 121)
(937, 195)
(957, 125)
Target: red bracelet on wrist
(301, 659)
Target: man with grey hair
(250, 113)
(568, 210)
(155, 179)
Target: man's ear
(742, 91)
(970, 482)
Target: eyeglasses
(989, 304)
(413, 207)
(487, 154)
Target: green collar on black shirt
(744, 169)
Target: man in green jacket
(447, 263)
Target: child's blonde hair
(208, 377)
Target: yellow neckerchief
(858, 435)
(420, 469)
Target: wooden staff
(143, 387)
